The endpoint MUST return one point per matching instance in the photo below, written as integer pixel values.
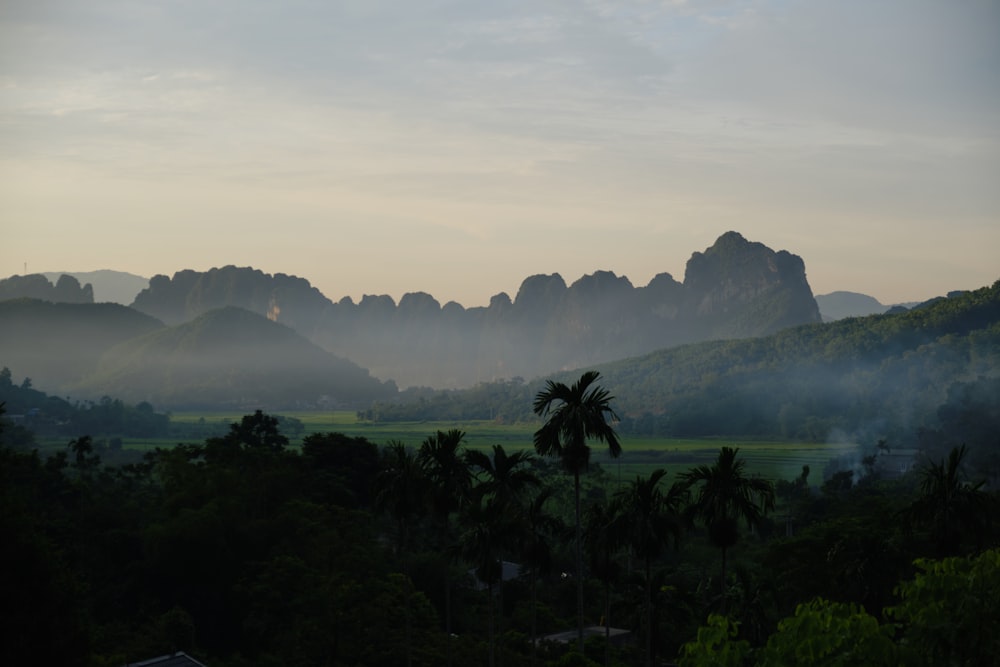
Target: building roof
(570, 636)
(178, 659)
(510, 571)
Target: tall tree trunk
(649, 614)
(722, 603)
(407, 631)
(443, 542)
(500, 617)
(489, 601)
(447, 610)
(579, 563)
(534, 618)
(607, 621)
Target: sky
(457, 148)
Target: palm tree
(536, 551)
(575, 414)
(400, 491)
(952, 508)
(441, 459)
(602, 541)
(725, 496)
(505, 477)
(647, 520)
(503, 481)
(488, 529)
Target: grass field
(771, 460)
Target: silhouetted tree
(724, 497)
(602, 540)
(954, 510)
(441, 458)
(648, 518)
(400, 491)
(535, 542)
(574, 414)
(488, 529)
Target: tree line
(242, 550)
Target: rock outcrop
(736, 288)
(66, 289)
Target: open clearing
(641, 455)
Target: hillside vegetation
(231, 357)
(57, 344)
(864, 378)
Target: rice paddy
(641, 455)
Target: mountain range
(222, 335)
(733, 289)
(106, 285)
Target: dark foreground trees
(955, 511)
(245, 551)
(945, 617)
(647, 520)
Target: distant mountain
(280, 298)
(56, 344)
(735, 288)
(230, 357)
(849, 374)
(63, 288)
(108, 286)
(838, 305)
(932, 369)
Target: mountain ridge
(736, 288)
(108, 285)
(235, 358)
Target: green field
(772, 460)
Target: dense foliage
(242, 550)
(32, 412)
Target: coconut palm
(575, 414)
(724, 497)
(647, 519)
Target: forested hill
(855, 375)
(58, 343)
(228, 357)
(231, 357)
(735, 288)
(876, 376)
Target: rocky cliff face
(735, 288)
(66, 289)
(281, 298)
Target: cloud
(919, 67)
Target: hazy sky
(458, 147)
